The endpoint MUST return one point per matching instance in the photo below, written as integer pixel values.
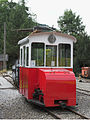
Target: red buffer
(51, 87)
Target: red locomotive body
(46, 74)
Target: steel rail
(52, 113)
(83, 116)
(68, 109)
(7, 76)
(83, 93)
(4, 76)
(7, 88)
(83, 90)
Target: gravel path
(83, 104)
(4, 83)
(14, 106)
(84, 84)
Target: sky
(48, 11)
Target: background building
(1, 60)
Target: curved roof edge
(56, 33)
(26, 39)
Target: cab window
(37, 54)
(64, 58)
(51, 55)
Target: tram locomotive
(46, 69)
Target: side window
(27, 56)
(37, 54)
(64, 55)
(24, 56)
(21, 56)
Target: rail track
(82, 91)
(7, 88)
(5, 76)
(50, 112)
(77, 113)
(11, 82)
(57, 116)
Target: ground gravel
(83, 104)
(14, 106)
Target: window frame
(43, 56)
(44, 66)
(56, 55)
(24, 61)
(26, 56)
(57, 62)
(70, 55)
(21, 58)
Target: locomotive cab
(46, 69)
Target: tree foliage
(71, 24)
(16, 16)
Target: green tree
(71, 24)
(16, 16)
(82, 52)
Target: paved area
(4, 83)
(83, 85)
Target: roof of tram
(42, 30)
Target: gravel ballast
(14, 106)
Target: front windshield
(51, 55)
(64, 58)
(47, 56)
(37, 54)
